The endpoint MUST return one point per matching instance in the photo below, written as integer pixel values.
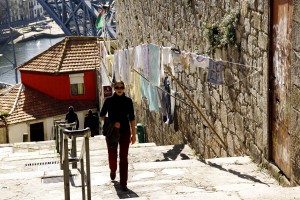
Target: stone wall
(237, 109)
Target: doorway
(37, 132)
(280, 87)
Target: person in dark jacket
(92, 122)
(120, 111)
(71, 117)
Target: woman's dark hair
(119, 82)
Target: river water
(24, 52)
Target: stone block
(296, 36)
(296, 11)
(223, 114)
(256, 20)
(295, 118)
(252, 4)
(263, 41)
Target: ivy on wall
(223, 33)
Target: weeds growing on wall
(3, 115)
(223, 33)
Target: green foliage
(3, 115)
(223, 33)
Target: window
(77, 84)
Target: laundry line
(181, 100)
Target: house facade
(62, 76)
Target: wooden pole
(197, 108)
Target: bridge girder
(78, 17)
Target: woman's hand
(133, 139)
(117, 125)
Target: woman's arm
(133, 131)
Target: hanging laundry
(116, 67)
(103, 53)
(130, 60)
(145, 60)
(153, 103)
(123, 64)
(198, 61)
(161, 101)
(144, 88)
(103, 65)
(215, 72)
(166, 59)
(110, 63)
(167, 97)
(138, 57)
(154, 64)
(137, 88)
(185, 59)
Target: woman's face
(119, 89)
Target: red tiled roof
(70, 55)
(8, 97)
(32, 105)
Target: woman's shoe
(112, 175)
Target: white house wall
(17, 131)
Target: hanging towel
(166, 59)
(144, 88)
(110, 62)
(137, 88)
(130, 60)
(103, 53)
(198, 61)
(103, 65)
(116, 67)
(153, 103)
(123, 65)
(215, 72)
(154, 64)
(138, 57)
(145, 60)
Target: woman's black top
(119, 109)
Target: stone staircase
(31, 171)
(34, 166)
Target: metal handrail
(61, 127)
(85, 133)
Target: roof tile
(69, 55)
(32, 105)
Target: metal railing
(59, 148)
(62, 132)
(84, 155)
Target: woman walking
(121, 113)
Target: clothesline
(159, 87)
(206, 57)
(132, 69)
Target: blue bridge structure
(78, 17)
